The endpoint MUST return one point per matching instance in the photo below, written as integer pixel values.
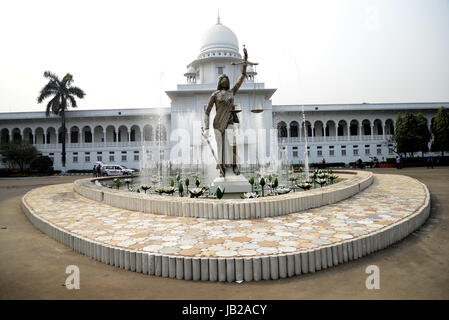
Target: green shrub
(42, 164)
(327, 165)
(180, 188)
(79, 171)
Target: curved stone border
(227, 208)
(236, 269)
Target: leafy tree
(440, 131)
(63, 95)
(20, 153)
(411, 134)
(423, 133)
(399, 134)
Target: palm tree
(62, 95)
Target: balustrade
(333, 138)
(96, 145)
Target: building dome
(219, 39)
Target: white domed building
(219, 48)
(339, 133)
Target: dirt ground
(32, 265)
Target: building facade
(110, 136)
(343, 133)
(336, 132)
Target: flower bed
(227, 209)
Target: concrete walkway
(414, 268)
(390, 200)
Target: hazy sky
(125, 54)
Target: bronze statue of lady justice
(224, 120)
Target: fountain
(217, 156)
(214, 160)
(139, 236)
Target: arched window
(5, 136)
(74, 135)
(148, 133)
(330, 128)
(111, 134)
(318, 129)
(342, 128)
(28, 135)
(98, 134)
(354, 128)
(377, 127)
(122, 133)
(135, 134)
(40, 136)
(16, 136)
(294, 129)
(308, 127)
(282, 129)
(366, 124)
(87, 135)
(389, 126)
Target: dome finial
(218, 17)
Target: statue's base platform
(234, 185)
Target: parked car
(115, 170)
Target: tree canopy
(20, 153)
(62, 93)
(423, 134)
(440, 131)
(411, 134)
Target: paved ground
(415, 268)
(390, 199)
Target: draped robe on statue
(224, 121)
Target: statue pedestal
(234, 185)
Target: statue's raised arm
(243, 75)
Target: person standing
(359, 163)
(429, 162)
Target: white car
(115, 170)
